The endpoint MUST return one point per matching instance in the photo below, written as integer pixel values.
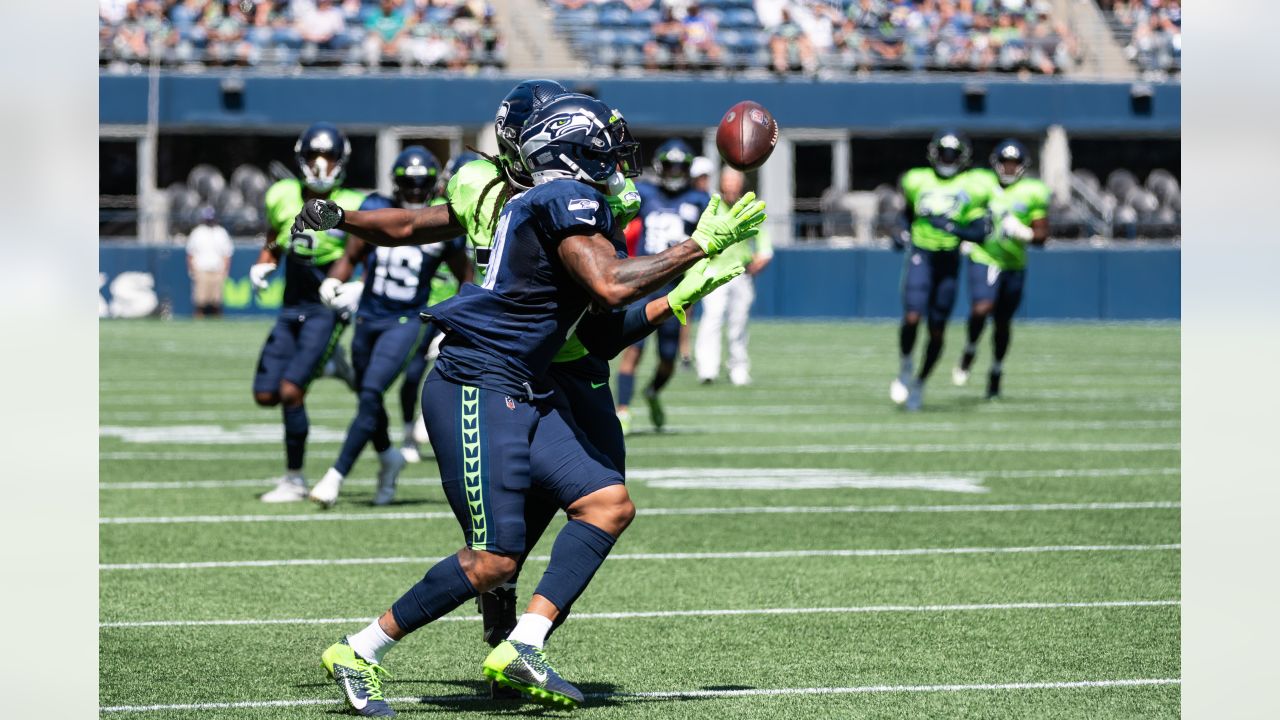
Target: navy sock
(439, 592)
(907, 338)
(626, 388)
(933, 350)
(1001, 337)
(577, 554)
(296, 427)
(370, 415)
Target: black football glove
(975, 231)
(318, 215)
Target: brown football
(747, 135)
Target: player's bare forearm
(344, 267)
(392, 227)
(658, 311)
(615, 282)
(270, 253)
(1041, 229)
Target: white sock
(391, 454)
(371, 643)
(531, 630)
(295, 476)
(997, 367)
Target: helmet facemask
(949, 154)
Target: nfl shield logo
(511, 404)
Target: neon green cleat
(359, 679)
(624, 419)
(525, 668)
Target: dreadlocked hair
(505, 192)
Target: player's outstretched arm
(344, 267)
(615, 282)
(387, 227)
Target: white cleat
(393, 462)
(915, 396)
(740, 377)
(959, 376)
(409, 451)
(289, 489)
(898, 391)
(325, 493)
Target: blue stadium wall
(1128, 284)
(225, 100)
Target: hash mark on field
(676, 694)
(762, 510)
(865, 609)
(741, 555)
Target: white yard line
(745, 510)
(642, 451)
(864, 609)
(641, 474)
(677, 694)
(741, 555)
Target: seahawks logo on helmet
(576, 137)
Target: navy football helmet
(456, 162)
(1009, 160)
(513, 113)
(322, 152)
(578, 137)
(949, 152)
(674, 164)
(416, 175)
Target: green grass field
(803, 549)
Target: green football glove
(718, 229)
(706, 275)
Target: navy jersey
(668, 218)
(398, 279)
(512, 326)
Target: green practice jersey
(444, 284)
(476, 201)
(1028, 201)
(962, 198)
(284, 202)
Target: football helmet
(1009, 160)
(322, 152)
(949, 152)
(674, 164)
(513, 113)
(578, 137)
(416, 175)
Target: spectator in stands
(790, 46)
(113, 12)
(323, 28)
(665, 42)
(209, 251)
(227, 31)
(700, 46)
(387, 28)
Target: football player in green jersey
(306, 332)
(997, 267)
(945, 206)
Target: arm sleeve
(607, 334)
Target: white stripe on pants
(733, 299)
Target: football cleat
(739, 377)
(915, 396)
(898, 390)
(993, 386)
(624, 419)
(525, 668)
(325, 493)
(959, 376)
(409, 450)
(359, 680)
(656, 413)
(393, 461)
(289, 489)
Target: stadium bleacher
(818, 37)
(447, 34)
(1149, 30)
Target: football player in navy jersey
(493, 427)
(397, 283)
(669, 211)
